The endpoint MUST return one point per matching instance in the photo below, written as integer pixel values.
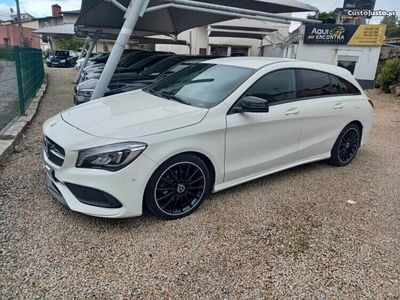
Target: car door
(327, 112)
(259, 142)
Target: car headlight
(85, 93)
(110, 157)
(62, 61)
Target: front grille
(55, 153)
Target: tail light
(372, 103)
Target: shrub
(389, 74)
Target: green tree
(69, 44)
(389, 74)
(393, 26)
(326, 17)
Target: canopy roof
(103, 15)
(68, 31)
(239, 32)
(60, 31)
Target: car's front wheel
(346, 146)
(178, 187)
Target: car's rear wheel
(178, 187)
(346, 146)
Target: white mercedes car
(209, 127)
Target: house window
(348, 65)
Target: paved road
(288, 235)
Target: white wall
(200, 37)
(199, 40)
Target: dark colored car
(125, 82)
(62, 58)
(138, 67)
(127, 59)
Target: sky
(42, 8)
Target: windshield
(202, 85)
(62, 53)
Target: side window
(347, 88)
(314, 84)
(336, 90)
(275, 87)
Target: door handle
(293, 111)
(338, 106)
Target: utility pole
(21, 36)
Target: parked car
(139, 66)
(125, 82)
(62, 58)
(204, 129)
(94, 58)
(128, 58)
(99, 64)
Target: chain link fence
(21, 75)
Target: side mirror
(253, 104)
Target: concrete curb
(12, 135)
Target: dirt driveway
(292, 234)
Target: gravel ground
(292, 234)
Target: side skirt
(232, 183)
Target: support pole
(84, 47)
(94, 41)
(51, 44)
(21, 36)
(135, 10)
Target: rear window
(319, 84)
(314, 84)
(347, 88)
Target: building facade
(9, 36)
(354, 47)
(200, 41)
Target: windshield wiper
(168, 96)
(174, 97)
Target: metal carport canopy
(239, 32)
(67, 30)
(100, 14)
(172, 17)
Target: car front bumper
(126, 186)
(80, 99)
(57, 64)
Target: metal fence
(21, 75)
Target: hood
(131, 115)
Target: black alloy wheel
(178, 187)
(346, 146)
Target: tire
(346, 146)
(178, 187)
